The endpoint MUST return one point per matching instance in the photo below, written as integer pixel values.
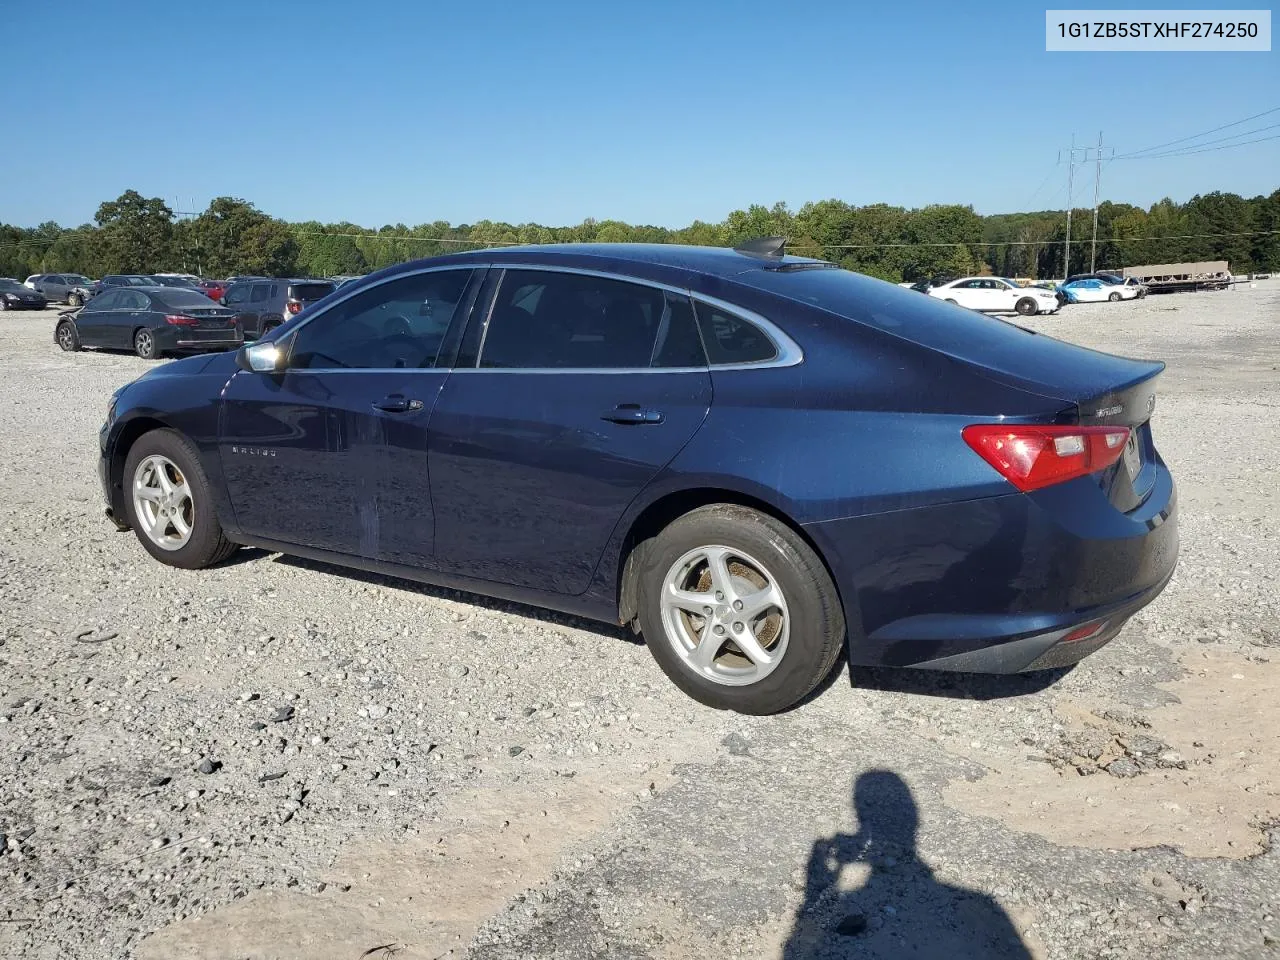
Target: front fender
(187, 400)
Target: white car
(1093, 291)
(996, 295)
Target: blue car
(758, 461)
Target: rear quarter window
(730, 339)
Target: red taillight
(293, 306)
(1084, 633)
(180, 321)
(1031, 457)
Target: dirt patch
(1201, 774)
(415, 899)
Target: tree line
(136, 234)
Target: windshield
(12, 286)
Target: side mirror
(261, 358)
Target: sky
(661, 112)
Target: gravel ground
(282, 759)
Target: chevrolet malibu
(757, 461)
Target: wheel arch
(130, 433)
(655, 517)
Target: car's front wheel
(169, 503)
(68, 337)
(1026, 307)
(1114, 298)
(144, 344)
(75, 300)
(738, 610)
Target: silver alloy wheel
(725, 615)
(64, 337)
(162, 502)
(142, 342)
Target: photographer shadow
(901, 910)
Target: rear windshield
(891, 308)
(310, 291)
(185, 299)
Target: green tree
(135, 234)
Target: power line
(1197, 136)
(1187, 153)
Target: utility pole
(1097, 179)
(1066, 248)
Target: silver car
(69, 287)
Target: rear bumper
(996, 585)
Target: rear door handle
(397, 403)
(631, 413)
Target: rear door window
(236, 294)
(544, 319)
(729, 339)
(259, 294)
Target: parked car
(262, 305)
(213, 289)
(119, 280)
(151, 321)
(1092, 291)
(71, 288)
(191, 278)
(757, 460)
(996, 295)
(18, 296)
(1111, 279)
(340, 282)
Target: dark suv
(262, 305)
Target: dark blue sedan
(757, 460)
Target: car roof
(641, 258)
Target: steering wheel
(396, 326)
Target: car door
(304, 451)
(1004, 296)
(258, 307)
(130, 313)
(92, 321)
(236, 298)
(967, 293)
(571, 393)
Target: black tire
(144, 344)
(1026, 307)
(75, 300)
(206, 545)
(1115, 298)
(816, 630)
(68, 336)
(267, 327)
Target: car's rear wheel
(738, 610)
(68, 337)
(144, 344)
(1114, 298)
(1026, 307)
(169, 503)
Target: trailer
(1182, 277)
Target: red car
(213, 289)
